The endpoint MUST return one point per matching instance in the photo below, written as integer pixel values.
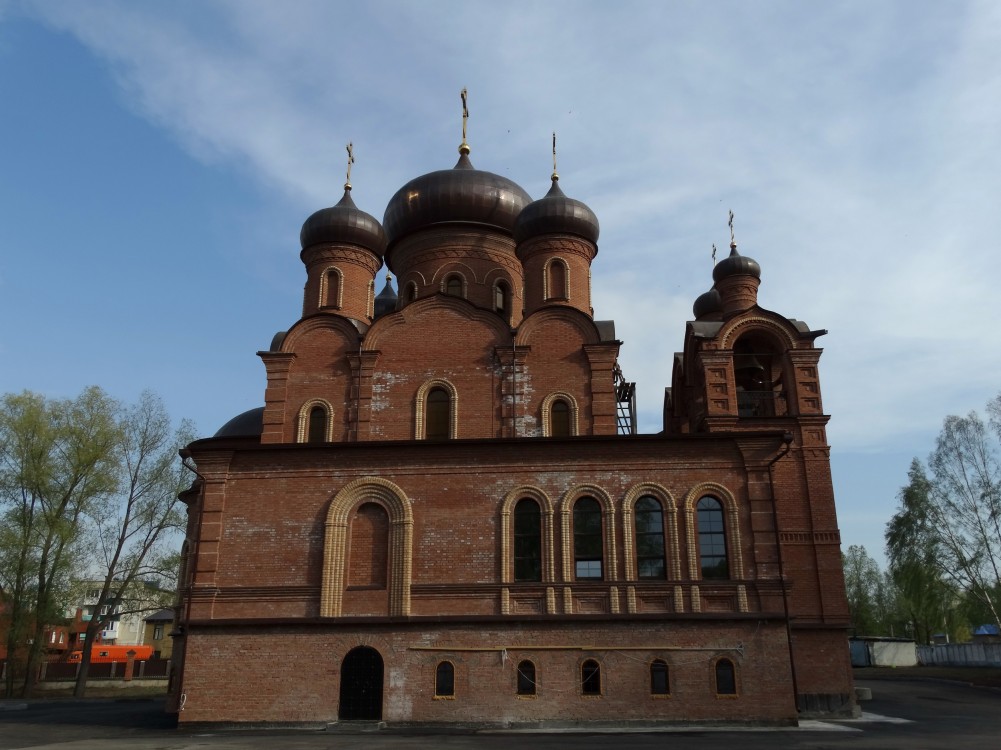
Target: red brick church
(442, 513)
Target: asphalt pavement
(902, 714)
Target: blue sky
(158, 159)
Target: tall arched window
(438, 416)
(444, 680)
(526, 678)
(659, 682)
(557, 280)
(453, 286)
(726, 678)
(527, 541)
(502, 298)
(411, 291)
(333, 288)
(587, 540)
(369, 547)
(317, 430)
(712, 539)
(650, 538)
(590, 678)
(559, 419)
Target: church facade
(442, 512)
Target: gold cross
(555, 176)
(465, 113)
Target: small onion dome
(346, 224)
(556, 214)
(386, 301)
(248, 424)
(707, 303)
(462, 194)
(736, 264)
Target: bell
(748, 362)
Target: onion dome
(736, 265)
(387, 299)
(556, 214)
(462, 194)
(248, 424)
(707, 303)
(345, 224)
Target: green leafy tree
(56, 465)
(88, 489)
(944, 543)
(928, 598)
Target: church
(443, 514)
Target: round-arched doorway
(361, 685)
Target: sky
(157, 161)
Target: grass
(979, 676)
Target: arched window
(758, 377)
(557, 280)
(444, 680)
(590, 678)
(502, 298)
(526, 678)
(453, 286)
(659, 682)
(587, 540)
(332, 294)
(411, 291)
(650, 538)
(369, 547)
(317, 430)
(438, 415)
(712, 539)
(559, 419)
(726, 678)
(527, 541)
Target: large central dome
(462, 194)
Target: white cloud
(858, 144)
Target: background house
(159, 626)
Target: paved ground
(902, 714)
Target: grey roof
(248, 424)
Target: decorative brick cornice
(557, 244)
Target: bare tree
(965, 508)
(863, 582)
(133, 532)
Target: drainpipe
(182, 626)
(787, 439)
